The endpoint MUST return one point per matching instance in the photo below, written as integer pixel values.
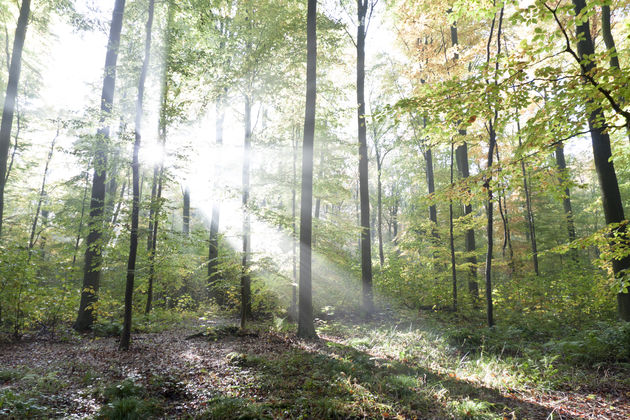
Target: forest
(278, 209)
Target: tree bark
(85, 191)
(611, 198)
(428, 158)
(530, 212)
(10, 98)
(452, 239)
(379, 203)
(293, 309)
(306, 327)
(566, 200)
(42, 194)
(186, 212)
(246, 293)
(461, 157)
(503, 211)
(213, 248)
(492, 141)
(364, 194)
(94, 245)
(135, 206)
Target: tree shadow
(325, 379)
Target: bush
(602, 343)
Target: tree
(94, 245)
(135, 167)
(461, 157)
(602, 154)
(492, 141)
(10, 98)
(186, 212)
(364, 193)
(306, 327)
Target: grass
(411, 368)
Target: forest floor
(383, 369)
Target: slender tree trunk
(492, 141)
(246, 293)
(18, 128)
(306, 327)
(318, 200)
(158, 171)
(503, 211)
(566, 200)
(602, 155)
(152, 204)
(186, 212)
(94, 244)
(379, 202)
(452, 239)
(461, 156)
(10, 98)
(135, 206)
(428, 158)
(530, 212)
(489, 230)
(154, 234)
(116, 212)
(42, 194)
(293, 310)
(80, 229)
(364, 194)
(213, 248)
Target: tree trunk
(602, 154)
(489, 230)
(452, 239)
(213, 248)
(158, 170)
(566, 200)
(528, 206)
(461, 157)
(85, 190)
(503, 211)
(306, 327)
(428, 158)
(379, 203)
(42, 194)
(135, 206)
(154, 233)
(10, 98)
(492, 141)
(186, 212)
(293, 309)
(246, 292)
(94, 246)
(18, 128)
(152, 204)
(364, 194)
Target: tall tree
(213, 247)
(246, 292)
(364, 193)
(42, 191)
(602, 154)
(492, 141)
(561, 164)
(135, 167)
(306, 327)
(186, 212)
(10, 98)
(94, 245)
(461, 158)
